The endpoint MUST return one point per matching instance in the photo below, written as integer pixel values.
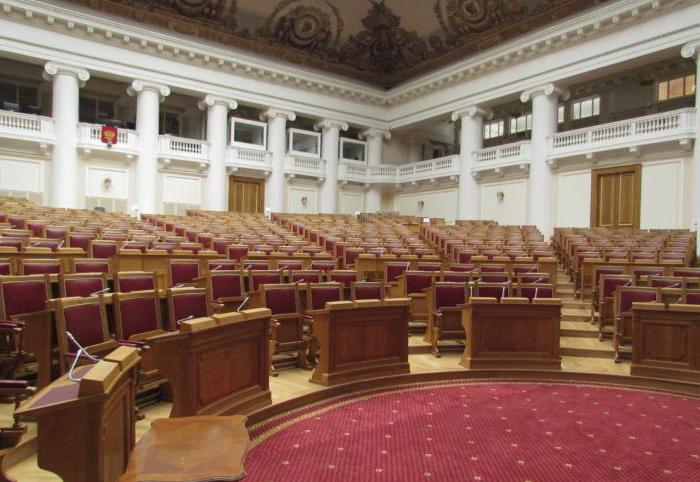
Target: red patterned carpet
(484, 431)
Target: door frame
(596, 173)
(250, 180)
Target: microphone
(179, 322)
(106, 290)
(180, 285)
(81, 351)
(61, 243)
(215, 268)
(240, 307)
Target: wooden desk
(216, 365)
(65, 255)
(190, 449)
(584, 276)
(361, 339)
(512, 334)
(158, 261)
(666, 341)
(86, 428)
(372, 266)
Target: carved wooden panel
(616, 197)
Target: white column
(330, 151)
(691, 50)
(375, 140)
(148, 98)
(545, 100)
(276, 184)
(470, 139)
(216, 185)
(415, 149)
(67, 81)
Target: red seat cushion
(24, 297)
(367, 292)
(83, 286)
(80, 241)
(91, 267)
(190, 304)
(265, 278)
(306, 277)
(104, 250)
(85, 324)
(138, 315)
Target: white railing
(183, 148)
(26, 126)
(516, 153)
(415, 171)
(90, 136)
(306, 166)
(666, 126)
(241, 157)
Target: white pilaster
(67, 80)
(216, 185)
(148, 97)
(691, 50)
(330, 146)
(275, 184)
(470, 139)
(415, 149)
(375, 140)
(545, 100)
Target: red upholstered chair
(52, 244)
(464, 268)
(128, 281)
(493, 290)
(56, 232)
(100, 248)
(81, 240)
(494, 277)
(529, 278)
(237, 251)
(16, 233)
(205, 239)
(318, 294)
(221, 265)
(691, 297)
(428, 266)
(624, 297)
(226, 288)
(220, 245)
(289, 335)
(188, 303)
(350, 255)
(323, 266)
(90, 265)
(257, 278)
(37, 228)
(415, 285)
(446, 301)
(367, 290)
(256, 265)
(5, 267)
(137, 315)
(686, 272)
(535, 290)
(40, 266)
(86, 320)
(465, 256)
(305, 276)
(392, 271)
(16, 243)
(17, 222)
(345, 277)
(182, 272)
(456, 276)
(665, 282)
(493, 268)
(81, 284)
(524, 268)
(287, 264)
(607, 285)
(596, 273)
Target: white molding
(472, 111)
(331, 123)
(139, 85)
(212, 100)
(52, 69)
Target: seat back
(237, 251)
(289, 264)
(667, 282)
(366, 290)
(610, 282)
(464, 268)
(686, 272)
(41, 266)
(23, 294)
(256, 265)
(81, 240)
(626, 295)
(535, 277)
(281, 299)
(344, 276)
(184, 303)
(100, 248)
(90, 265)
(524, 268)
(225, 285)
(258, 278)
(323, 266)
(221, 265)
(493, 268)
(128, 281)
(493, 290)
(418, 281)
(5, 267)
(599, 271)
(456, 276)
(183, 271)
(535, 290)
(350, 255)
(52, 244)
(305, 276)
(56, 232)
(318, 294)
(81, 284)
(427, 266)
(691, 297)
(494, 277)
(136, 313)
(449, 294)
(18, 244)
(392, 271)
(85, 319)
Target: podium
(217, 365)
(361, 339)
(86, 428)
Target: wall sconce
(106, 184)
(421, 204)
(304, 201)
(500, 196)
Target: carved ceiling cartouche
(384, 42)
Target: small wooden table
(190, 449)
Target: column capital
(472, 111)
(142, 85)
(374, 133)
(691, 50)
(52, 69)
(212, 100)
(545, 89)
(273, 113)
(329, 124)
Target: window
(674, 88)
(18, 97)
(493, 129)
(169, 123)
(583, 108)
(520, 124)
(95, 110)
(560, 114)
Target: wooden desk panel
(361, 340)
(158, 261)
(510, 335)
(666, 341)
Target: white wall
(573, 206)
(512, 209)
(395, 150)
(662, 195)
(296, 192)
(351, 202)
(440, 203)
(181, 189)
(23, 177)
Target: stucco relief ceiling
(384, 42)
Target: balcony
(248, 159)
(27, 128)
(384, 174)
(500, 158)
(677, 126)
(183, 152)
(296, 165)
(90, 138)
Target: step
(574, 304)
(585, 347)
(578, 330)
(568, 314)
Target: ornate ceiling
(383, 42)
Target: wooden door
(246, 195)
(616, 197)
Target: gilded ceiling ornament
(311, 25)
(222, 12)
(459, 18)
